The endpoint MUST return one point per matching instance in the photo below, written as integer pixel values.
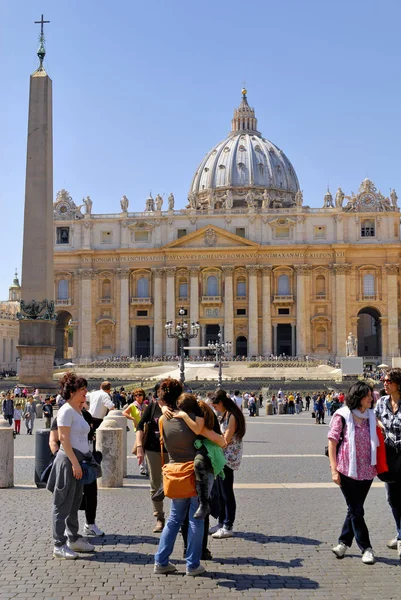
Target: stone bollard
(117, 415)
(109, 441)
(280, 410)
(6, 454)
(257, 407)
(269, 408)
(39, 410)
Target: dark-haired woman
(65, 480)
(388, 413)
(232, 426)
(352, 452)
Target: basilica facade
(246, 257)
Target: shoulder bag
(178, 478)
(145, 431)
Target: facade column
(392, 312)
(293, 329)
(229, 308)
(157, 312)
(302, 313)
(85, 313)
(123, 326)
(171, 343)
(266, 312)
(194, 301)
(75, 339)
(275, 353)
(253, 345)
(340, 271)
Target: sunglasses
(138, 394)
(388, 381)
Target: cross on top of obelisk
(41, 50)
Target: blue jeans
(355, 492)
(178, 511)
(394, 499)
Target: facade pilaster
(253, 346)
(194, 300)
(229, 307)
(303, 322)
(266, 312)
(170, 308)
(87, 229)
(157, 312)
(75, 339)
(123, 326)
(392, 310)
(275, 339)
(85, 313)
(341, 271)
(339, 219)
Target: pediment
(210, 236)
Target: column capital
(303, 269)
(157, 272)
(391, 269)
(86, 273)
(123, 273)
(252, 269)
(228, 270)
(170, 271)
(341, 269)
(266, 269)
(194, 270)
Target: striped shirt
(391, 421)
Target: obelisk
(37, 317)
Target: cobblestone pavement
(281, 547)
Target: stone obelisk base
(36, 350)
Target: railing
(136, 300)
(321, 296)
(283, 298)
(63, 302)
(211, 299)
(106, 300)
(365, 297)
(240, 298)
(183, 299)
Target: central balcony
(137, 301)
(283, 299)
(63, 302)
(211, 300)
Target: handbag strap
(161, 440)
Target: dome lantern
(244, 118)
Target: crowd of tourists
(190, 448)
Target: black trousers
(89, 502)
(355, 492)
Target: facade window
(283, 285)
(282, 233)
(241, 312)
(106, 339)
(321, 337)
(368, 286)
(183, 290)
(240, 231)
(141, 236)
(321, 286)
(143, 288)
(181, 233)
(241, 288)
(106, 289)
(319, 232)
(63, 235)
(62, 290)
(212, 288)
(141, 313)
(106, 237)
(368, 228)
(283, 311)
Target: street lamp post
(182, 332)
(219, 348)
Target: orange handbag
(178, 478)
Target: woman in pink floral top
(352, 452)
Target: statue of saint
(249, 200)
(265, 199)
(150, 204)
(88, 205)
(394, 198)
(299, 198)
(351, 345)
(211, 199)
(124, 204)
(171, 201)
(193, 204)
(159, 202)
(339, 198)
(229, 200)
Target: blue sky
(142, 91)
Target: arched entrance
(211, 333)
(64, 336)
(369, 332)
(142, 340)
(241, 346)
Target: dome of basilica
(244, 163)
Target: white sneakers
(194, 572)
(64, 552)
(222, 533)
(92, 530)
(160, 570)
(81, 545)
(368, 557)
(215, 528)
(392, 544)
(340, 550)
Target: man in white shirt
(237, 399)
(99, 403)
